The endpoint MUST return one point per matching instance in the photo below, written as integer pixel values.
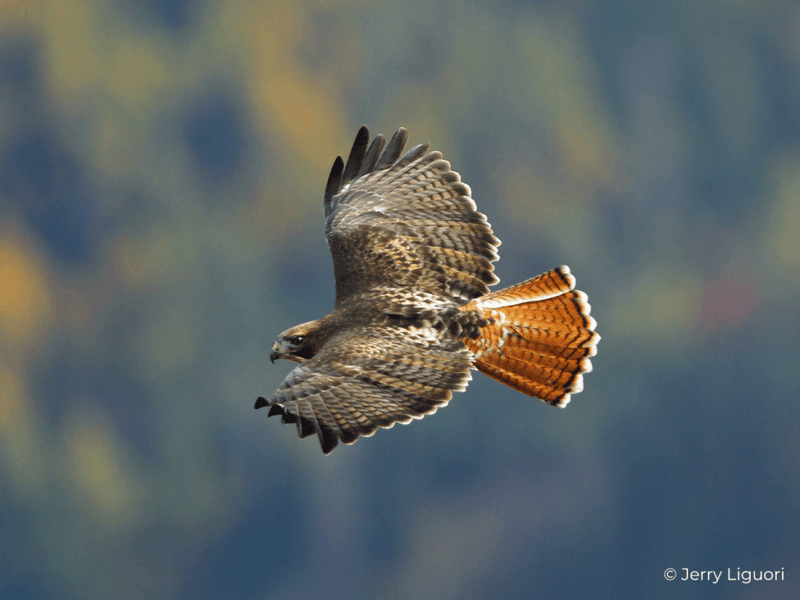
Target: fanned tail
(539, 337)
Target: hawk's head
(298, 343)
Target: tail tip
(567, 275)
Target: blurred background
(162, 164)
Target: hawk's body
(412, 261)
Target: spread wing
(368, 378)
(405, 222)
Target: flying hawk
(412, 258)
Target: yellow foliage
(25, 298)
(661, 306)
(20, 453)
(95, 465)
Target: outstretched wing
(368, 378)
(405, 222)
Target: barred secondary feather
(412, 261)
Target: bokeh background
(162, 164)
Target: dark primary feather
(395, 149)
(373, 154)
(357, 154)
(334, 183)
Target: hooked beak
(274, 356)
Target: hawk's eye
(296, 340)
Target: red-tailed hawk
(412, 258)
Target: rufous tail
(539, 337)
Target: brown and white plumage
(412, 261)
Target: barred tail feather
(539, 337)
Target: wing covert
(409, 221)
(364, 380)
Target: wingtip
(394, 149)
(357, 154)
(334, 184)
(328, 443)
(363, 135)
